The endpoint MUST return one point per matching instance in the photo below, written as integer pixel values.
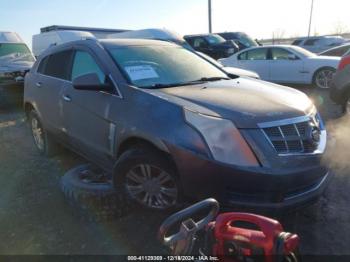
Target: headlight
(224, 140)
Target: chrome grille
(292, 136)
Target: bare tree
(339, 28)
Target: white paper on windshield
(141, 72)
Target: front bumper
(256, 188)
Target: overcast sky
(258, 18)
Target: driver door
(86, 112)
(285, 66)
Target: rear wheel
(43, 142)
(148, 179)
(323, 77)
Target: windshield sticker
(141, 72)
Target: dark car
(241, 39)
(211, 44)
(336, 51)
(340, 86)
(172, 126)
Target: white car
(286, 64)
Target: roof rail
(79, 28)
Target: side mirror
(90, 82)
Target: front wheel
(323, 77)
(148, 179)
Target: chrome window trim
(283, 122)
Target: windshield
(159, 65)
(303, 51)
(14, 51)
(246, 40)
(215, 39)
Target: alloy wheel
(38, 134)
(324, 78)
(151, 186)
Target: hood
(240, 72)
(245, 101)
(12, 63)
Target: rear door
(52, 76)
(255, 60)
(86, 112)
(285, 66)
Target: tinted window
(58, 65)
(83, 64)
(199, 42)
(311, 42)
(280, 54)
(42, 65)
(297, 42)
(255, 54)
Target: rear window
(57, 65)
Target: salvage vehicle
(317, 44)
(172, 127)
(213, 45)
(241, 39)
(340, 86)
(286, 64)
(15, 59)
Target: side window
(58, 65)
(42, 65)
(311, 42)
(243, 56)
(297, 42)
(280, 54)
(257, 54)
(199, 42)
(83, 64)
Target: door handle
(67, 98)
(38, 84)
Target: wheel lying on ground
(147, 178)
(323, 77)
(42, 140)
(90, 192)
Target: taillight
(344, 62)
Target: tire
(323, 77)
(44, 143)
(346, 106)
(95, 200)
(143, 171)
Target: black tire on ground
(157, 162)
(49, 146)
(92, 200)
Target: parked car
(231, 71)
(241, 39)
(286, 64)
(336, 51)
(171, 126)
(42, 41)
(211, 44)
(15, 59)
(155, 34)
(318, 44)
(340, 87)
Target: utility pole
(209, 16)
(312, 8)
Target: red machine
(232, 237)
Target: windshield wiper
(199, 81)
(212, 79)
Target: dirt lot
(34, 217)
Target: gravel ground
(35, 219)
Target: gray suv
(172, 126)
